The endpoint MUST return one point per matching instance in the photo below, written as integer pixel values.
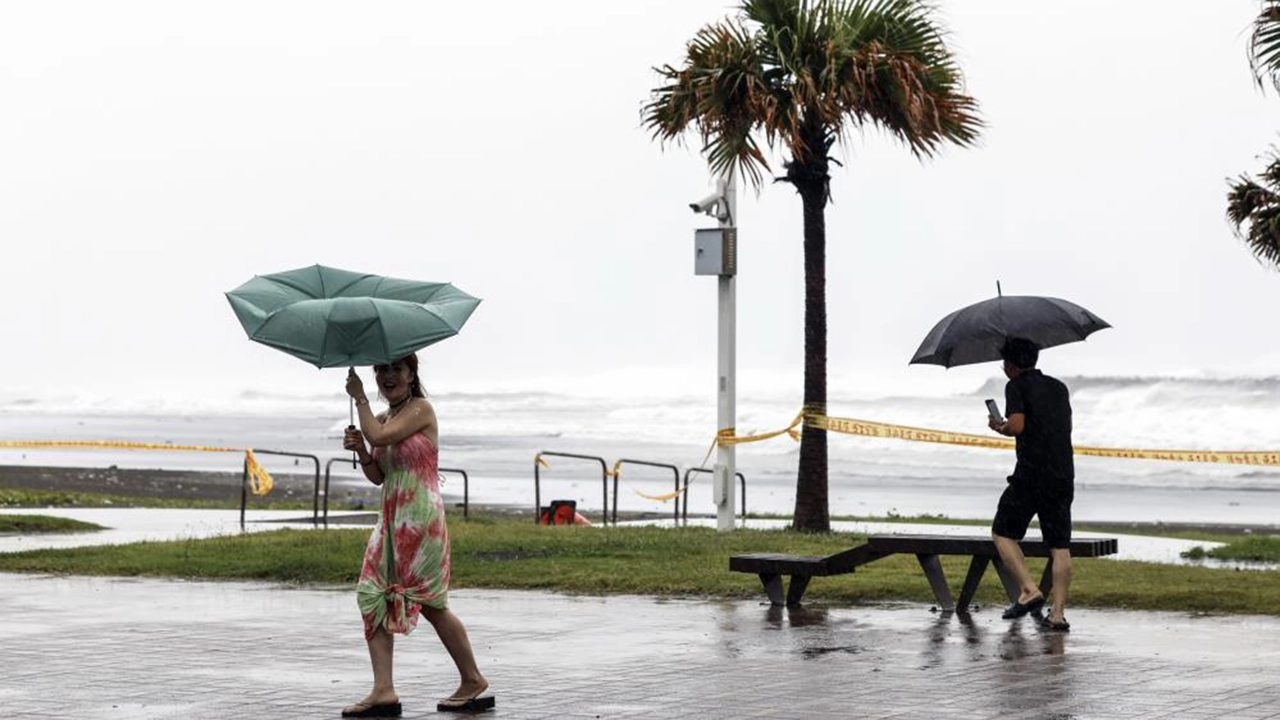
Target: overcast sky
(156, 154)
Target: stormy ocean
(494, 436)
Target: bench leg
(796, 589)
(977, 568)
(772, 587)
(937, 580)
(1046, 579)
(1011, 587)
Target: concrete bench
(927, 548)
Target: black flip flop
(473, 704)
(1017, 609)
(1063, 626)
(374, 711)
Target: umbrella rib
(324, 341)
(386, 339)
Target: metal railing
(466, 487)
(742, 483)
(604, 478)
(466, 490)
(315, 498)
(617, 474)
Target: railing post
(466, 490)
(537, 488)
(604, 484)
(244, 491)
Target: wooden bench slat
(953, 545)
(778, 564)
(771, 566)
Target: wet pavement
(126, 648)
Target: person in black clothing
(1038, 416)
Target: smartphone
(994, 411)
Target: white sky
(156, 154)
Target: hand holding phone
(994, 411)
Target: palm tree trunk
(811, 180)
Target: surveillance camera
(708, 205)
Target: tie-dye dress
(411, 571)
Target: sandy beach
(168, 484)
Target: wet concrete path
(121, 648)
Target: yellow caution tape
(260, 482)
(663, 497)
(868, 428)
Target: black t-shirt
(1044, 447)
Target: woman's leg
(454, 636)
(381, 651)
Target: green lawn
(28, 524)
(1250, 549)
(692, 562)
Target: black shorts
(1050, 501)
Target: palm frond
(720, 91)
(1264, 45)
(1254, 212)
(800, 73)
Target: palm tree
(1250, 202)
(1258, 206)
(802, 74)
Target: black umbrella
(974, 334)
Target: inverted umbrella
(337, 318)
(975, 334)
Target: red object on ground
(561, 512)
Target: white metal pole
(725, 470)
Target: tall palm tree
(802, 75)
(1250, 202)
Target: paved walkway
(118, 648)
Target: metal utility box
(715, 251)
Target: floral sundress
(411, 571)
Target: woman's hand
(353, 440)
(355, 387)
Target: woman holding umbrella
(406, 564)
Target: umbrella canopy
(974, 334)
(338, 318)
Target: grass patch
(493, 552)
(1249, 549)
(14, 497)
(30, 524)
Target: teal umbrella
(337, 318)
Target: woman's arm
(417, 416)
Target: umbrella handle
(351, 418)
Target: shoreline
(174, 485)
(212, 486)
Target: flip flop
(474, 704)
(1063, 626)
(373, 710)
(1017, 609)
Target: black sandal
(1063, 626)
(378, 710)
(1017, 609)
(474, 704)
